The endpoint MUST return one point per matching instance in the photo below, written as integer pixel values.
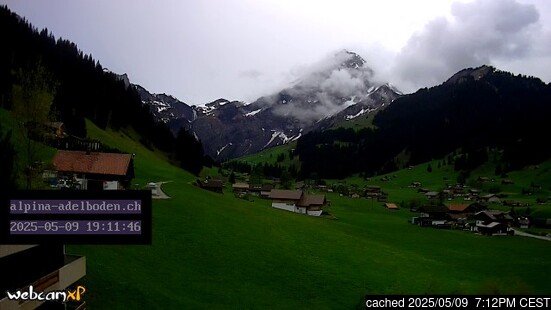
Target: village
(458, 206)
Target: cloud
(321, 89)
(479, 32)
(250, 74)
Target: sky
(202, 50)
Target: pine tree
(7, 162)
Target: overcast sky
(202, 50)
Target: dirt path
(160, 193)
(521, 233)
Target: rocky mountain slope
(340, 88)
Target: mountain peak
(350, 60)
(471, 73)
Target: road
(521, 233)
(160, 193)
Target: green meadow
(216, 251)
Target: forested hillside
(81, 88)
(474, 111)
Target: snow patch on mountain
(361, 112)
(222, 149)
(253, 113)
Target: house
(431, 215)
(490, 198)
(55, 128)
(240, 187)
(46, 267)
(490, 222)
(311, 204)
(262, 190)
(483, 179)
(507, 182)
(462, 208)
(296, 201)
(431, 195)
(95, 170)
(523, 222)
(265, 190)
(372, 189)
(415, 184)
(391, 206)
(216, 186)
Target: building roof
(495, 215)
(212, 183)
(391, 206)
(458, 207)
(240, 186)
(92, 162)
(285, 194)
(311, 200)
(431, 194)
(55, 124)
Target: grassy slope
(270, 156)
(216, 251)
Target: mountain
(338, 89)
(474, 111)
(164, 107)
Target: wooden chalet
(240, 187)
(490, 198)
(490, 222)
(296, 201)
(216, 186)
(94, 170)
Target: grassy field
(270, 156)
(217, 251)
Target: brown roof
(458, 207)
(240, 186)
(312, 200)
(285, 194)
(212, 184)
(92, 163)
(391, 206)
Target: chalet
(490, 198)
(265, 190)
(216, 186)
(297, 201)
(260, 189)
(463, 208)
(492, 222)
(415, 184)
(55, 128)
(523, 222)
(372, 189)
(95, 171)
(431, 195)
(240, 187)
(391, 206)
(431, 215)
(483, 179)
(311, 204)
